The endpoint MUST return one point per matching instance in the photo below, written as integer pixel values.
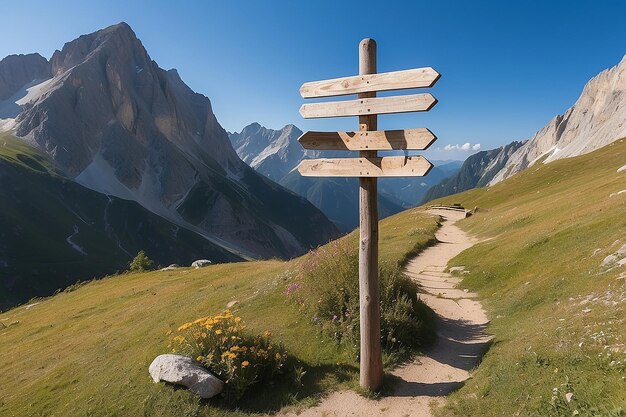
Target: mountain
(117, 123)
(477, 171)
(110, 119)
(338, 198)
(276, 154)
(595, 120)
(410, 191)
(54, 231)
(270, 152)
(598, 118)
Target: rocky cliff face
(596, 119)
(115, 122)
(476, 171)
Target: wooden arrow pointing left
(387, 166)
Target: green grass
(557, 314)
(19, 153)
(86, 352)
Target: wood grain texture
(387, 81)
(369, 106)
(371, 359)
(381, 140)
(386, 166)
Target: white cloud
(464, 147)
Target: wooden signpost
(368, 167)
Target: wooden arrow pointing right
(380, 140)
(369, 106)
(387, 166)
(397, 80)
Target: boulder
(201, 263)
(171, 267)
(182, 370)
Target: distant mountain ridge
(597, 119)
(270, 152)
(276, 154)
(477, 171)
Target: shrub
(140, 263)
(327, 289)
(221, 344)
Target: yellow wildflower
(244, 364)
(218, 331)
(199, 358)
(184, 327)
(237, 319)
(267, 333)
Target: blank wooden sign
(369, 106)
(381, 140)
(387, 81)
(387, 166)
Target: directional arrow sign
(387, 166)
(398, 80)
(369, 106)
(380, 140)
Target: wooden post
(371, 375)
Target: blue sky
(507, 67)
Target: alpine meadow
(313, 209)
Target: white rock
(568, 396)
(182, 370)
(201, 263)
(619, 257)
(171, 267)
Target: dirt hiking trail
(461, 338)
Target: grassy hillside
(558, 312)
(87, 351)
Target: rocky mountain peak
(118, 39)
(18, 70)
